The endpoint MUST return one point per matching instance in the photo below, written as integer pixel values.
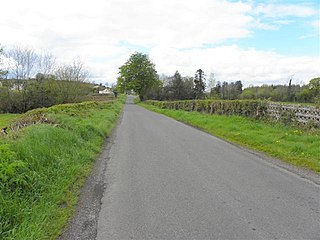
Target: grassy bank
(43, 165)
(6, 119)
(277, 140)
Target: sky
(257, 42)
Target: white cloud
(180, 23)
(94, 30)
(230, 63)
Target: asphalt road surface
(166, 180)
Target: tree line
(309, 93)
(31, 79)
(139, 74)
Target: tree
(137, 74)
(211, 82)
(237, 89)
(76, 71)
(199, 84)
(314, 87)
(188, 87)
(177, 86)
(46, 64)
(2, 72)
(216, 91)
(23, 60)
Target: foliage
(2, 72)
(227, 91)
(283, 93)
(174, 87)
(42, 165)
(314, 88)
(39, 93)
(248, 108)
(295, 146)
(199, 84)
(137, 74)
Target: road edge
(83, 224)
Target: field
(295, 146)
(43, 165)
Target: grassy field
(289, 144)
(43, 165)
(6, 119)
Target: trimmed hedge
(249, 108)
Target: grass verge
(43, 165)
(289, 144)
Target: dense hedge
(249, 108)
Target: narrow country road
(166, 180)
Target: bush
(249, 108)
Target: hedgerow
(249, 108)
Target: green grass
(5, 119)
(289, 144)
(43, 166)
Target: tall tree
(177, 86)
(199, 84)
(138, 74)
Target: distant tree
(231, 90)
(224, 90)
(156, 92)
(314, 88)
(23, 61)
(2, 71)
(188, 85)
(237, 89)
(199, 84)
(46, 63)
(138, 74)
(211, 82)
(218, 89)
(76, 71)
(177, 86)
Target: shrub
(249, 108)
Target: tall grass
(42, 167)
(295, 146)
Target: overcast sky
(253, 41)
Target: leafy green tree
(199, 84)
(314, 87)
(137, 74)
